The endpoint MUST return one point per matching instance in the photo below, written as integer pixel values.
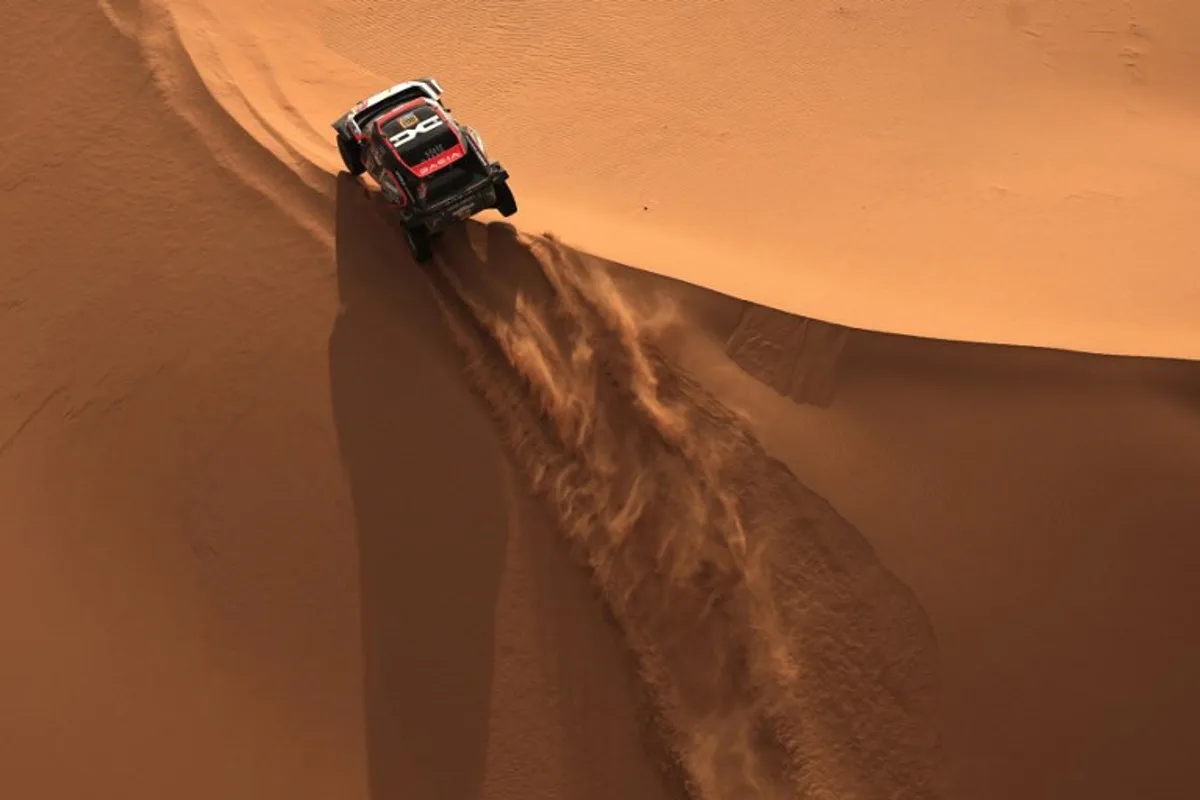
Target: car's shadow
(426, 477)
(436, 510)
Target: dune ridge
(991, 242)
(773, 676)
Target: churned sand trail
(782, 660)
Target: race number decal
(425, 126)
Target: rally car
(434, 170)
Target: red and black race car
(432, 169)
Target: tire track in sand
(782, 659)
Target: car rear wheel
(506, 204)
(351, 156)
(420, 243)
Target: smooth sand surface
(1014, 172)
(286, 516)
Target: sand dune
(1018, 173)
(287, 516)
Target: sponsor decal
(433, 165)
(408, 134)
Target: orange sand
(287, 516)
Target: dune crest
(1006, 187)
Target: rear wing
(353, 121)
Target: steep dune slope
(172, 626)
(209, 505)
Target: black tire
(351, 156)
(506, 204)
(420, 243)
